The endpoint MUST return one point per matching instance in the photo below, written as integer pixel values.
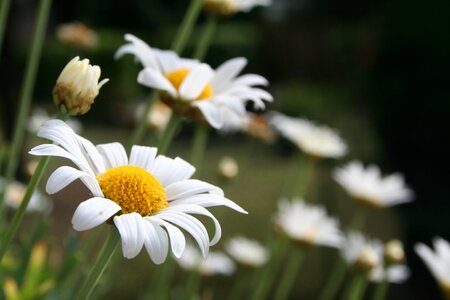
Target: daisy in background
(367, 186)
(229, 7)
(247, 252)
(148, 197)
(193, 88)
(39, 116)
(392, 274)
(437, 261)
(307, 224)
(316, 141)
(362, 253)
(14, 193)
(158, 117)
(78, 35)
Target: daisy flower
(437, 261)
(193, 88)
(15, 192)
(394, 274)
(362, 252)
(247, 252)
(148, 197)
(228, 7)
(367, 186)
(307, 224)
(314, 140)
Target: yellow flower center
(133, 189)
(176, 78)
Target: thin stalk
(4, 9)
(356, 288)
(290, 274)
(27, 90)
(199, 145)
(306, 169)
(34, 181)
(186, 26)
(139, 131)
(164, 279)
(206, 37)
(193, 285)
(109, 248)
(169, 133)
(381, 288)
(238, 289)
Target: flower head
(15, 192)
(159, 115)
(77, 34)
(361, 252)
(394, 252)
(77, 86)
(247, 252)
(367, 186)
(314, 140)
(393, 274)
(229, 7)
(147, 196)
(437, 261)
(307, 224)
(228, 168)
(193, 88)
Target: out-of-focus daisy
(40, 116)
(228, 7)
(148, 197)
(228, 168)
(193, 88)
(158, 117)
(394, 253)
(14, 193)
(437, 261)
(307, 224)
(215, 263)
(361, 252)
(77, 34)
(367, 186)
(247, 252)
(392, 274)
(314, 140)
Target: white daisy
(228, 168)
(316, 141)
(147, 196)
(39, 116)
(247, 252)
(216, 262)
(438, 262)
(194, 88)
(362, 252)
(393, 274)
(227, 7)
(15, 192)
(367, 186)
(307, 224)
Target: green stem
(199, 145)
(359, 219)
(206, 37)
(109, 248)
(164, 279)
(334, 281)
(290, 274)
(169, 133)
(193, 285)
(27, 90)
(240, 283)
(356, 288)
(186, 26)
(381, 288)
(139, 131)
(4, 9)
(306, 168)
(34, 181)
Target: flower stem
(139, 131)
(169, 133)
(4, 9)
(289, 275)
(356, 288)
(206, 37)
(164, 280)
(381, 289)
(306, 170)
(193, 285)
(186, 26)
(27, 90)
(199, 145)
(35, 179)
(109, 248)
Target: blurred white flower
(362, 252)
(228, 7)
(228, 168)
(367, 186)
(77, 34)
(393, 274)
(316, 141)
(216, 262)
(158, 117)
(39, 116)
(307, 224)
(247, 252)
(394, 253)
(437, 261)
(14, 193)
(193, 88)
(149, 197)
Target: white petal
(140, 49)
(250, 80)
(131, 229)
(177, 239)
(156, 80)
(143, 156)
(114, 154)
(209, 201)
(156, 242)
(168, 60)
(195, 82)
(65, 175)
(168, 170)
(211, 113)
(232, 102)
(93, 156)
(227, 71)
(190, 187)
(93, 212)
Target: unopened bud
(367, 259)
(77, 86)
(220, 7)
(394, 252)
(228, 168)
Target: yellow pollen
(133, 189)
(176, 78)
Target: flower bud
(367, 259)
(228, 168)
(77, 35)
(220, 7)
(394, 253)
(77, 86)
